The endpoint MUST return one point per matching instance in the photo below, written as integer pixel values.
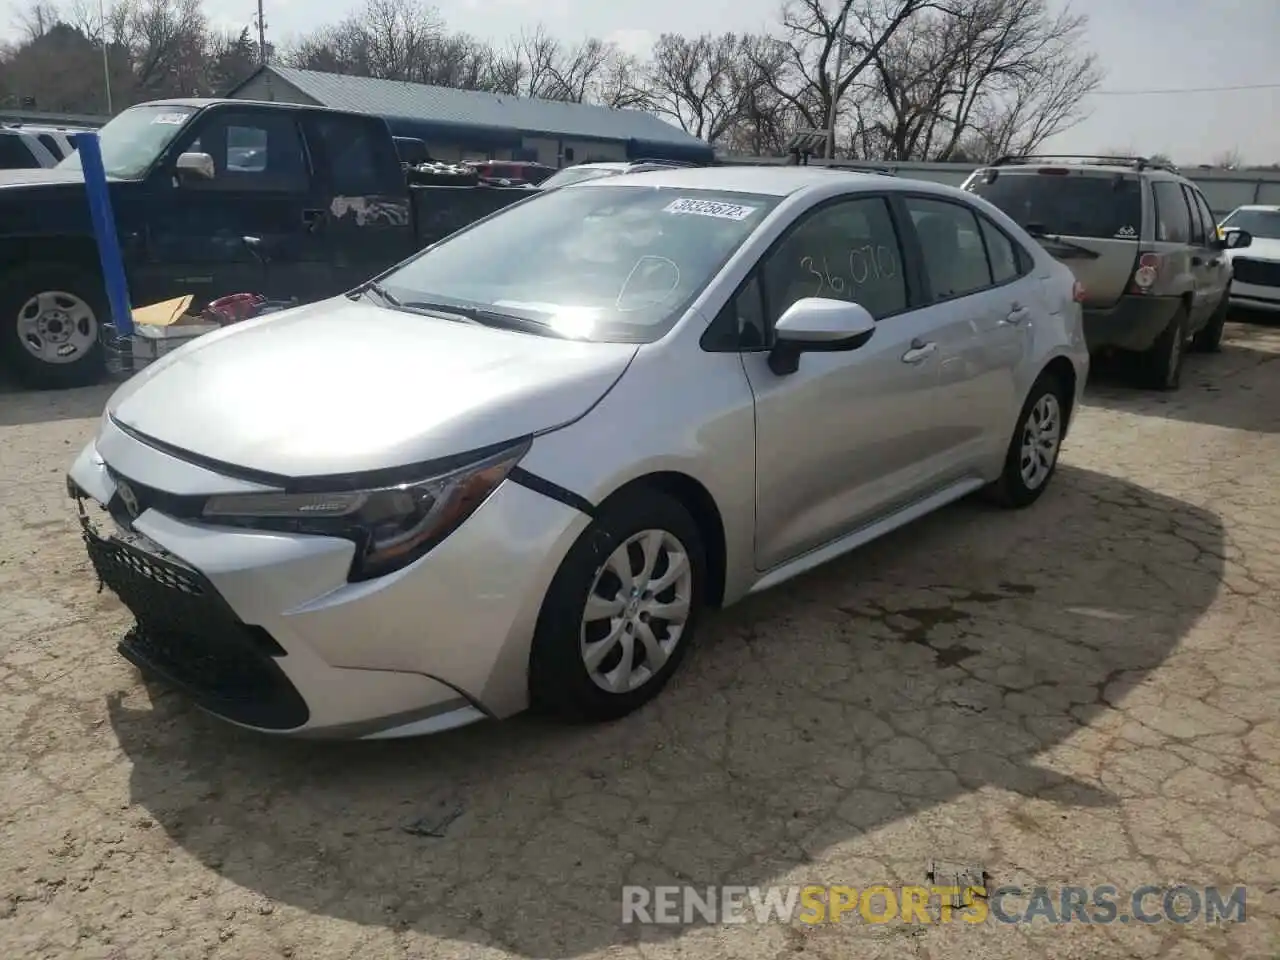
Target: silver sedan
(514, 468)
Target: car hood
(343, 387)
(1262, 248)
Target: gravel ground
(1086, 692)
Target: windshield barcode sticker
(175, 119)
(710, 208)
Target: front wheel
(621, 611)
(49, 324)
(1032, 456)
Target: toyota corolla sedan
(514, 468)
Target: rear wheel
(1032, 456)
(1209, 340)
(1160, 367)
(49, 324)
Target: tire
(68, 320)
(560, 681)
(1017, 489)
(1160, 367)
(1209, 339)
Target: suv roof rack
(1138, 163)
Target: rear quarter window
(1070, 204)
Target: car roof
(1259, 207)
(777, 181)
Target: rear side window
(51, 145)
(1007, 261)
(1197, 221)
(357, 167)
(955, 258)
(15, 154)
(1070, 205)
(1173, 219)
(1206, 216)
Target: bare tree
(991, 76)
(1229, 159)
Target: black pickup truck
(211, 197)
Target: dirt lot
(1087, 692)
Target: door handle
(1197, 261)
(919, 351)
(312, 219)
(1017, 313)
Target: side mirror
(1233, 238)
(196, 166)
(818, 325)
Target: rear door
(367, 223)
(1096, 213)
(1217, 269)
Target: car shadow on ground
(19, 407)
(1113, 385)
(941, 660)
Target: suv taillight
(1147, 272)
(1077, 292)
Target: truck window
(1071, 204)
(15, 154)
(360, 163)
(251, 151)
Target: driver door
(847, 437)
(251, 228)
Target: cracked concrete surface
(1085, 692)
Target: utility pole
(106, 59)
(262, 35)
(835, 83)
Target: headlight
(390, 526)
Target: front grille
(1264, 273)
(187, 635)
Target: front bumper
(1255, 296)
(263, 630)
(1134, 323)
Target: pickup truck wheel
(49, 325)
(1160, 367)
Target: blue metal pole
(104, 231)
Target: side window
(741, 324)
(252, 152)
(1206, 214)
(955, 259)
(14, 153)
(1003, 254)
(1197, 221)
(51, 145)
(848, 250)
(1173, 219)
(356, 166)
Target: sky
(1142, 45)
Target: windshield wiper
(1077, 251)
(488, 318)
(378, 290)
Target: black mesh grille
(1261, 272)
(186, 634)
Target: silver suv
(1139, 237)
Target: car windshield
(133, 139)
(603, 262)
(1069, 205)
(1264, 224)
(577, 175)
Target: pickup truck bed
(211, 197)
